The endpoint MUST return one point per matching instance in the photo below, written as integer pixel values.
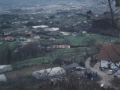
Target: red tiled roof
(59, 46)
(29, 32)
(109, 52)
(8, 37)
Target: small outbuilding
(3, 78)
(49, 73)
(4, 68)
(71, 66)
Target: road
(105, 77)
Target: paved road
(105, 77)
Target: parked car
(110, 72)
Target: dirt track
(105, 77)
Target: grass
(67, 53)
(4, 45)
(101, 38)
(76, 40)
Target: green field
(66, 54)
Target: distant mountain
(15, 3)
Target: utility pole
(111, 11)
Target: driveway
(105, 77)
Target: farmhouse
(29, 33)
(109, 56)
(40, 26)
(51, 38)
(9, 38)
(36, 37)
(59, 46)
(49, 73)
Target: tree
(31, 50)
(117, 3)
(89, 13)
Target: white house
(49, 73)
(40, 26)
(109, 56)
(4, 68)
(84, 32)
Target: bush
(82, 64)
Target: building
(109, 56)
(51, 39)
(58, 46)
(84, 32)
(70, 66)
(49, 73)
(9, 38)
(3, 78)
(22, 39)
(29, 33)
(4, 68)
(117, 3)
(40, 26)
(6, 33)
(36, 37)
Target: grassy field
(4, 45)
(80, 38)
(66, 54)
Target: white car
(110, 72)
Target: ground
(105, 77)
(24, 72)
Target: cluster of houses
(109, 58)
(24, 34)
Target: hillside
(15, 3)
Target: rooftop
(8, 37)
(109, 52)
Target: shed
(49, 73)
(4, 68)
(70, 66)
(3, 78)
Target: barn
(49, 73)
(109, 56)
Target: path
(105, 77)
